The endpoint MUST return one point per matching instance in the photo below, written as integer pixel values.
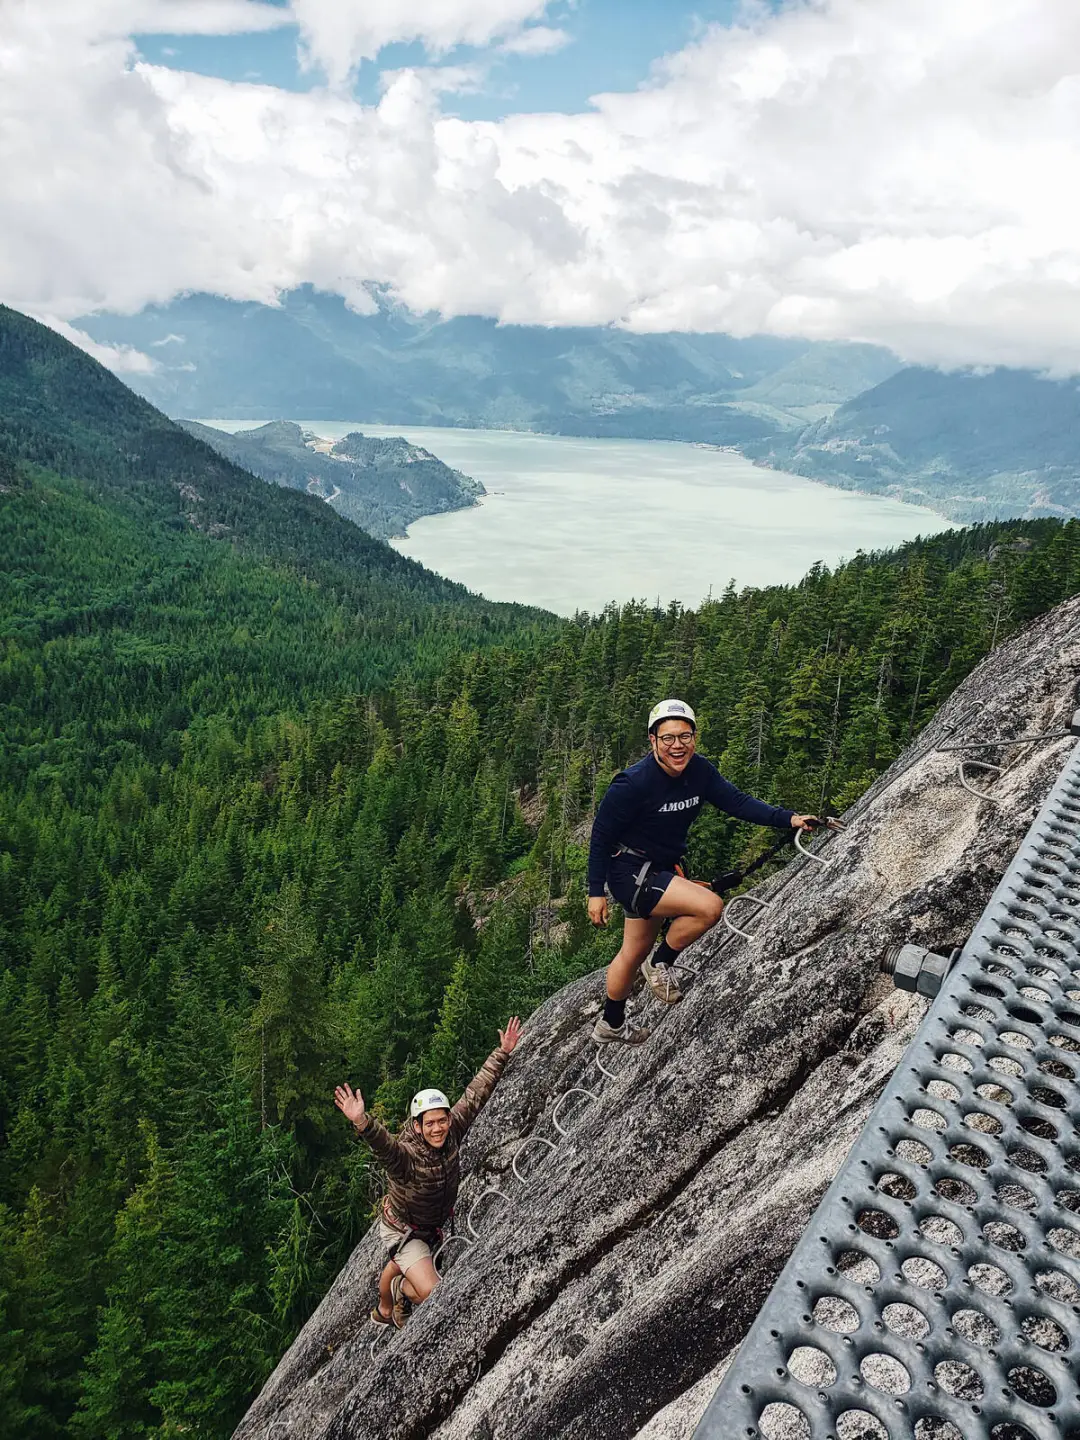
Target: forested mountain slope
(969, 444)
(256, 787)
(382, 484)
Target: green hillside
(382, 485)
(257, 783)
(971, 445)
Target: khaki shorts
(411, 1253)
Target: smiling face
(672, 743)
(435, 1126)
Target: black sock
(614, 1012)
(664, 954)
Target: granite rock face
(607, 1294)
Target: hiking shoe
(378, 1318)
(401, 1303)
(605, 1034)
(662, 982)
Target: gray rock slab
(604, 1298)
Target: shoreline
(235, 425)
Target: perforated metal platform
(936, 1290)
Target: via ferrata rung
(753, 900)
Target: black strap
(729, 879)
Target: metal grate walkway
(936, 1291)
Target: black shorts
(635, 892)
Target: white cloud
(184, 17)
(338, 34)
(899, 171)
(439, 79)
(536, 40)
(121, 359)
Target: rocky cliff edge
(608, 1291)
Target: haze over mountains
(972, 445)
(313, 358)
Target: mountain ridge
(312, 358)
(971, 445)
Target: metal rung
(611, 1074)
(978, 765)
(448, 1241)
(754, 900)
(965, 715)
(529, 1140)
(574, 1090)
(808, 853)
(491, 1190)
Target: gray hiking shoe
(662, 982)
(605, 1034)
(402, 1307)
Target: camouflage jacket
(424, 1181)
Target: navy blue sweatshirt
(649, 810)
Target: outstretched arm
(351, 1104)
(733, 801)
(478, 1091)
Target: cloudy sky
(899, 171)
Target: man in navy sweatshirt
(638, 842)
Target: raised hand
(351, 1104)
(509, 1037)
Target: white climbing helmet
(427, 1100)
(671, 710)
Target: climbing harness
(641, 876)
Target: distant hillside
(313, 358)
(811, 386)
(145, 554)
(972, 446)
(383, 485)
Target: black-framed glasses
(683, 737)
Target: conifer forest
(278, 809)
